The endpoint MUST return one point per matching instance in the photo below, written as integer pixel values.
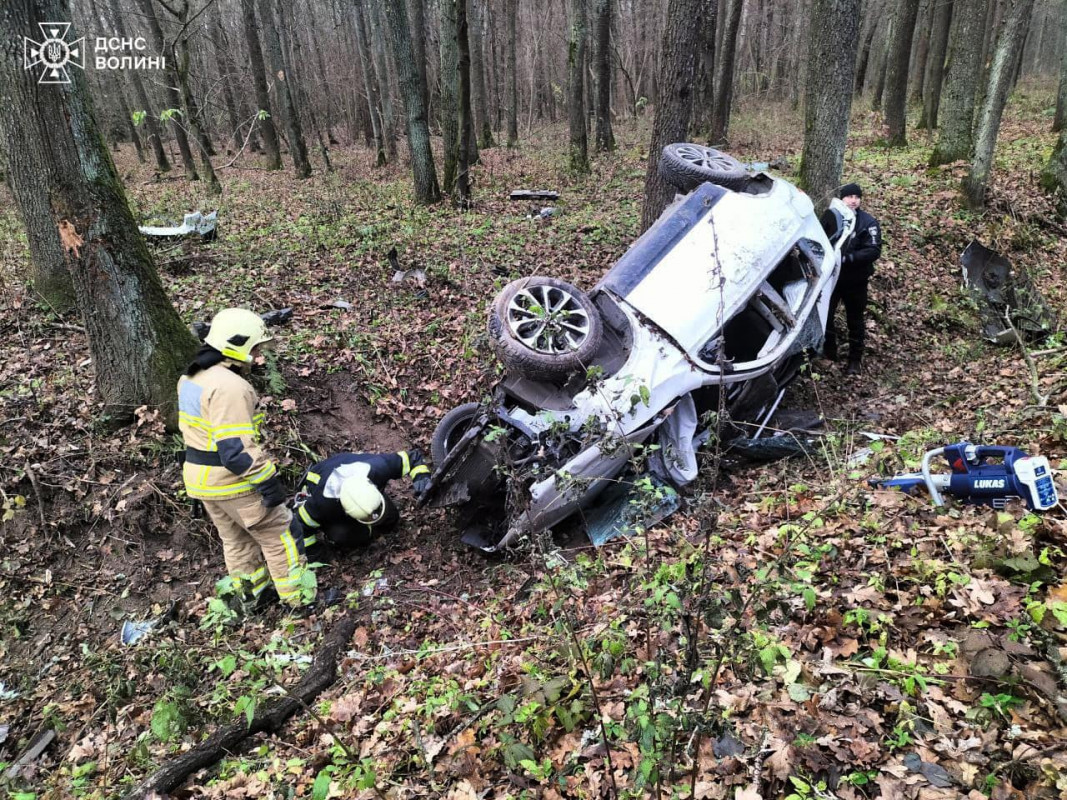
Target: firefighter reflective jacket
(322, 486)
(217, 419)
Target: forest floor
(789, 633)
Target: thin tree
(512, 79)
(1060, 119)
(272, 33)
(137, 341)
(1054, 175)
(724, 73)
(1001, 75)
(935, 63)
(706, 65)
(422, 166)
(449, 94)
(896, 95)
(674, 108)
(605, 136)
(963, 72)
(172, 93)
(828, 99)
(370, 83)
(578, 158)
(221, 46)
(479, 92)
(418, 39)
(466, 126)
(271, 147)
(375, 29)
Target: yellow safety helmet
(235, 331)
(361, 499)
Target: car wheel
(451, 429)
(544, 328)
(685, 166)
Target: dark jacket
(863, 249)
(321, 486)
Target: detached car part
(999, 290)
(203, 225)
(607, 395)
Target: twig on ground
(1035, 386)
(37, 494)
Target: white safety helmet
(235, 331)
(361, 499)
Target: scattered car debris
(203, 225)
(935, 773)
(37, 745)
(134, 630)
(7, 694)
(533, 194)
(279, 316)
(999, 290)
(711, 309)
(416, 275)
(763, 449)
(545, 213)
(344, 305)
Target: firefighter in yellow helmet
(228, 472)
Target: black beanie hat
(850, 189)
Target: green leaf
(168, 722)
(226, 665)
(798, 693)
(320, 790)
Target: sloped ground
(791, 633)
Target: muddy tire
(451, 429)
(544, 329)
(685, 166)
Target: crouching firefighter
(227, 471)
(341, 502)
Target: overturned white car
(699, 327)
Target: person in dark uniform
(857, 267)
(341, 502)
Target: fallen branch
(267, 719)
(1035, 384)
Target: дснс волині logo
(54, 53)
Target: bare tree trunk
(272, 35)
(881, 63)
(605, 136)
(294, 56)
(724, 75)
(896, 100)
(479, 95)
(221, 46)
(917, 73)
(512, 82)
(449, 94)
(1001, 73)
(675, 106)
(259, 81)
(418, 38)
(1060, 119)
(466, 127)
(370, 83)
(935, 64)
(422, 166)
(866, 46)
(1054, 176)
(172, 93)
(138, 343)
(375, 28)
(705, 70)
(832, 60)
(578, 160)
(963, 69)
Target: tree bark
(466, 126)
(375, 28)
(1054, 176)
(172, 93)
(1001, 74)
(138, 343)
(221, 46)
(272, 33)
(881, 61)
(705, 69)
(896, 97)
(935, 63)
(866, 46)
(963, 70)
(832, 60)
(449, 95)
(370, 83)
(1060, 119)
(675, 106)
(271, 146)
(422, 166)
(578, 158)
(512, 80)
(418, 39)
(917, 72)
(605, 136)
(479, 94)
(724, 75)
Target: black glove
(421, 485)
(415, 457)
(273, 492)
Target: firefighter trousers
(256, 540)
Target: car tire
(685, 166)
(451, 428)
(544, 351)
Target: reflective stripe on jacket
(216, 415)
